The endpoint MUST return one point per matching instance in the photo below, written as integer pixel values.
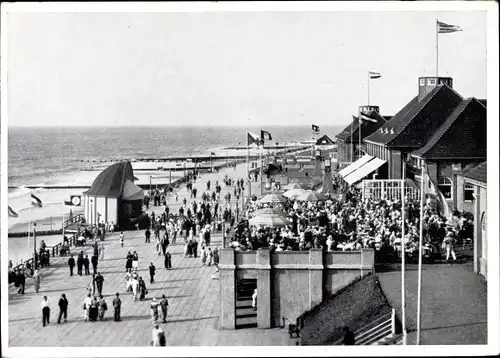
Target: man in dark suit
(94, 260)
(79, 262)
(148, 236)
(63, 308)
(86, 264)
(99, 280)
(71, 264)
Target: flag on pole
(212, 153)
(374, 75)
(315, 129)
(366, 118)
(446, 28)
(431, 188)
(252, 139)
(12, 213)
(35, 201)
(265, 135)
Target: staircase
(246, 317)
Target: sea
(55, 155)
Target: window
(468, 192)
(431, 81)
(444, 186)
(422, 82)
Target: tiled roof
(478, 173)
(416, 122)
(462, 135)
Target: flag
(430, 187)
(35, 201)
(212, 153)
(366, 118)
(265, 135)
(252, 139)
(12, 213)
(446, 29)
(315, 128)
(374, 75)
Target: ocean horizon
(40, 155)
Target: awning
(358, 163)
(363, 171)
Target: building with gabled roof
(458, 144)
(348, 144)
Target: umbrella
(271, 219)
(273, 198)
(291, 186)
(311, 196)
(269, 211)
(294, 193)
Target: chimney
(427, 84)
(368, 109)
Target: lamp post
(35, 261)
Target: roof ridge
(478, 101)
(436, 91)
(446, 125)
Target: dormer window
(392, 130)
(381, 131)
(386, 131)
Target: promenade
(191, 289)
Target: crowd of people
(347, 222)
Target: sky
(230, 68)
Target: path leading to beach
(191, 288)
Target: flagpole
(359, 123)
(29, 226)
(437, 48)
(403, 262)
(368, 88)
(260, 151)
(352, 144)
(419, 295)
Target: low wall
(288, 283)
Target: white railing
(375, 331)
(387, 189)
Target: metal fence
(387, 189)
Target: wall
(288, 283)
(395, 164)
(480, 237)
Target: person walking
(94, 259)
(164, 308)
(86, 264)
(349, 338)
(210, 257)
(101, 251)
(86, 307)
(148, 236)
(154, 310)
(122, 239)
(91, 286)
(63, 308)
(117, 305)
(36, 280)
(99, 280)
(135, 260)
(142, 289)
(152, 270)
(21, 280)
(45, 311)
(203, 255)
(71, 264)
(128, 264)
(158, 337)
(216, 259)
(79, 263)
(448, 246)
(254, 300)
(168, 260)
(103, 307)
(135, 286)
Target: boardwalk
(191, 288)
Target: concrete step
(246, 322)
(245, 311)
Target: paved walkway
(191, 288)
(454, 303)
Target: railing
(73, 220)
(374, 331)
(386, 189)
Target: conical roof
(111, 181)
